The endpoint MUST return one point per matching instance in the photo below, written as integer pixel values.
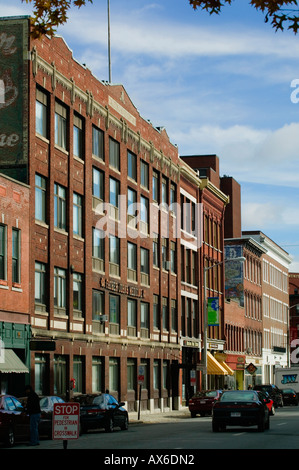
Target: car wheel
(10, 438)
(109, 426)
(125, 425)
(193, 414)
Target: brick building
(275, 292)
(14, 285)
(115, 257)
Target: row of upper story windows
(165, 195)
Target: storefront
(14, 358)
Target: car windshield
(206, 393)
(288, 390)
(239, 396)
(104, 400)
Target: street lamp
(205, 312)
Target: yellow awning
(214, 367)
(226, 367)
(10, 362)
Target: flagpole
(109, 48)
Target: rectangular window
(164, 195)
(174, 316)
(173, 257)
(59, 288)
(3, 252)
(155, 250)
(132, 317)
(144, 180)
(77, 292)
(132, 262)
(156, 312)
(156, 374)
(41, 114)
(114, 154)
(78, 137)
(40, 283)
(164, 253)
(132, 166)
(144, 315)
(155, 186)
(77, 215)
(16, 258)
(172, 194)
(114, 308)
(144, 266)
(98, 243)
(132, 219)
(131, 374)
(60, 125)
(97, 374)
(98, 184)
(40, 198)
(113, 375)
(114, 192)
(114, 257)
(97, 143)
(59, 206)
(97, 304)
(144, 214)
(98, 250)
(165, 318)
(114, 198)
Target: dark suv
(274, 392)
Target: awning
(214, 367)
(11, 363)
(226, 367)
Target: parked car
(202, 402)
(269, 402)
(101, 411)
(240, 408)
(46, 406)
(14, 421)
(289, 397)
(274, 392)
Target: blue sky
(218, 84)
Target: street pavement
(158, 417)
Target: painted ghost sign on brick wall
(14, 37)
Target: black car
(289, 397)
(240, 408)
(101, 411)
(46, 406)
(14, 421)
(274, 392)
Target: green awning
(11, 363)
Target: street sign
(66, 421)
(140, 375)
(251, 368)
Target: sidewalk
(158, 417)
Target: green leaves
(47, 16)
(282, 13)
